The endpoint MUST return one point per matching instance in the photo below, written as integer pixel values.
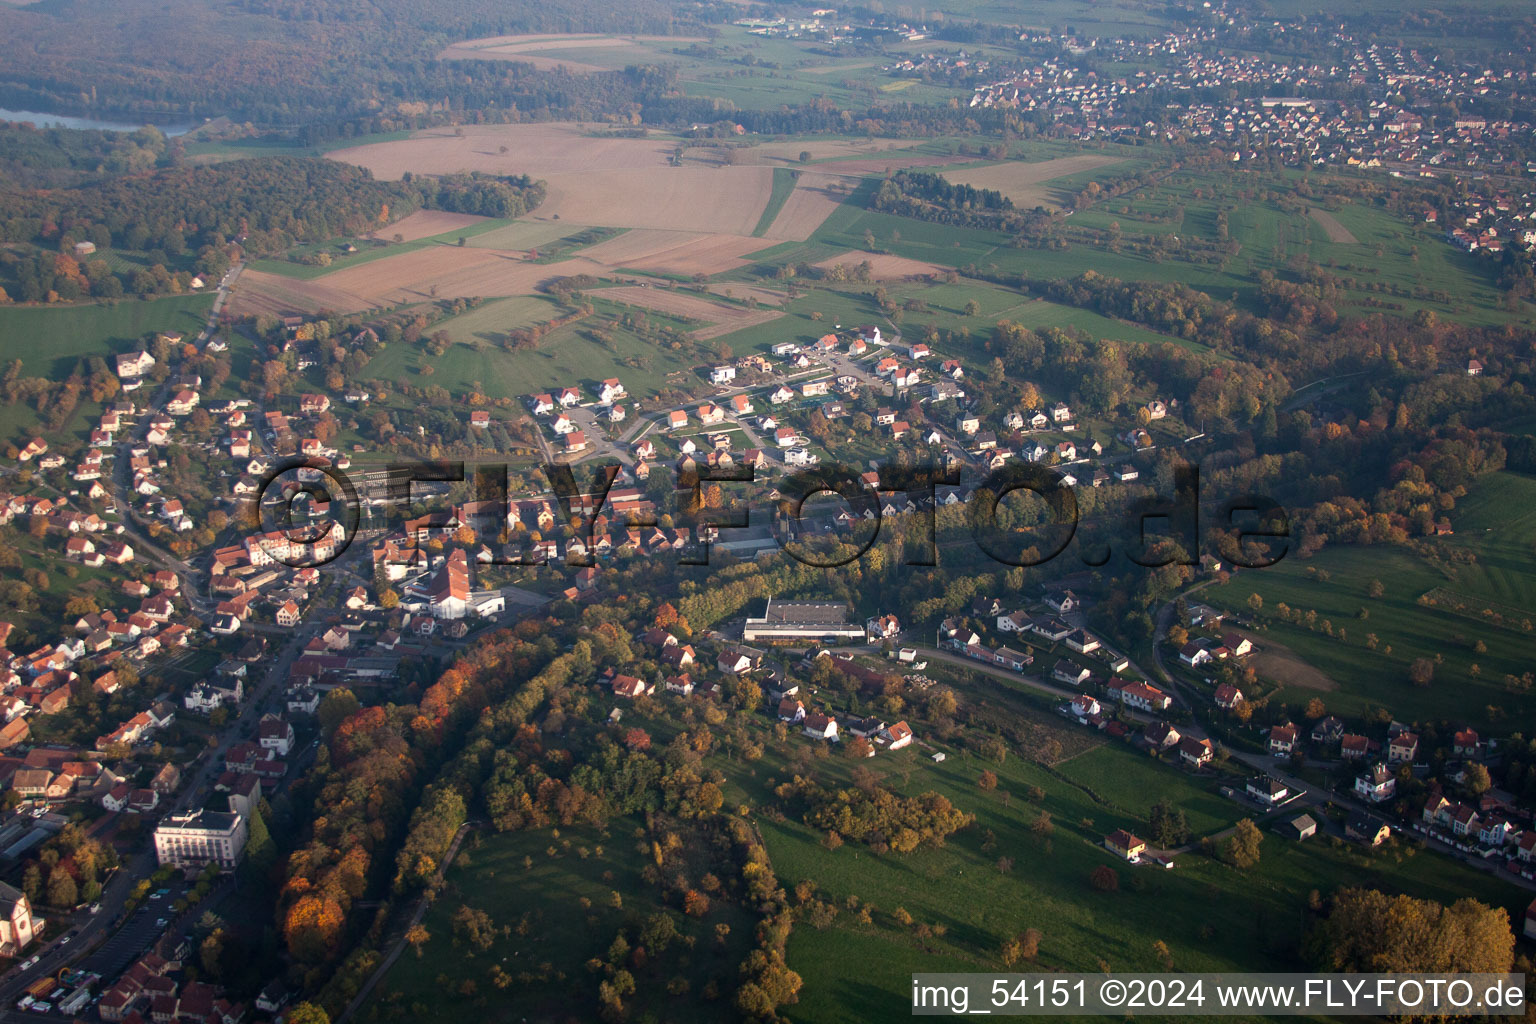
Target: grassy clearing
(565, 356)
(217, 151)
(1496, 524)
(962, 900)
(534, 883)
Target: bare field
(1336, 232)
(449, 271)
(808, 206)
(723, 200)
(258, 293)
(531, 49)
(722, 317)
(883, 267)
(440, 272)
(1281, 665)
(426, 223)
(534, 149)
(1025, 183)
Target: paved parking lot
(112, 957)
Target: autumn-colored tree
(1104, 878)
(695, 903)
(1241, 849)
(987, 780)
(1370, 931)
(1029, 943)
(313, 927)
(1477, 780)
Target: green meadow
(1495, 524)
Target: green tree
(1168, 826)
(336, 707)
(260, 850)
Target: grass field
(368, 251)
(565, 356)
(489, 323)
(1211, 917)
(852, 304)
(216, 151)
(48, 341)
(1497, 524)
(1388, 251)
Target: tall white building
(201, 837)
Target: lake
(66, 121)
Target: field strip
(815, 196)
(1026, 183)
(1337, 232)
(721, 318)
(882, 267)
(427, 223)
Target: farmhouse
(819, 726)
(1124, 844)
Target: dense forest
(290, 63)
(925, 196)
(185, 217)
